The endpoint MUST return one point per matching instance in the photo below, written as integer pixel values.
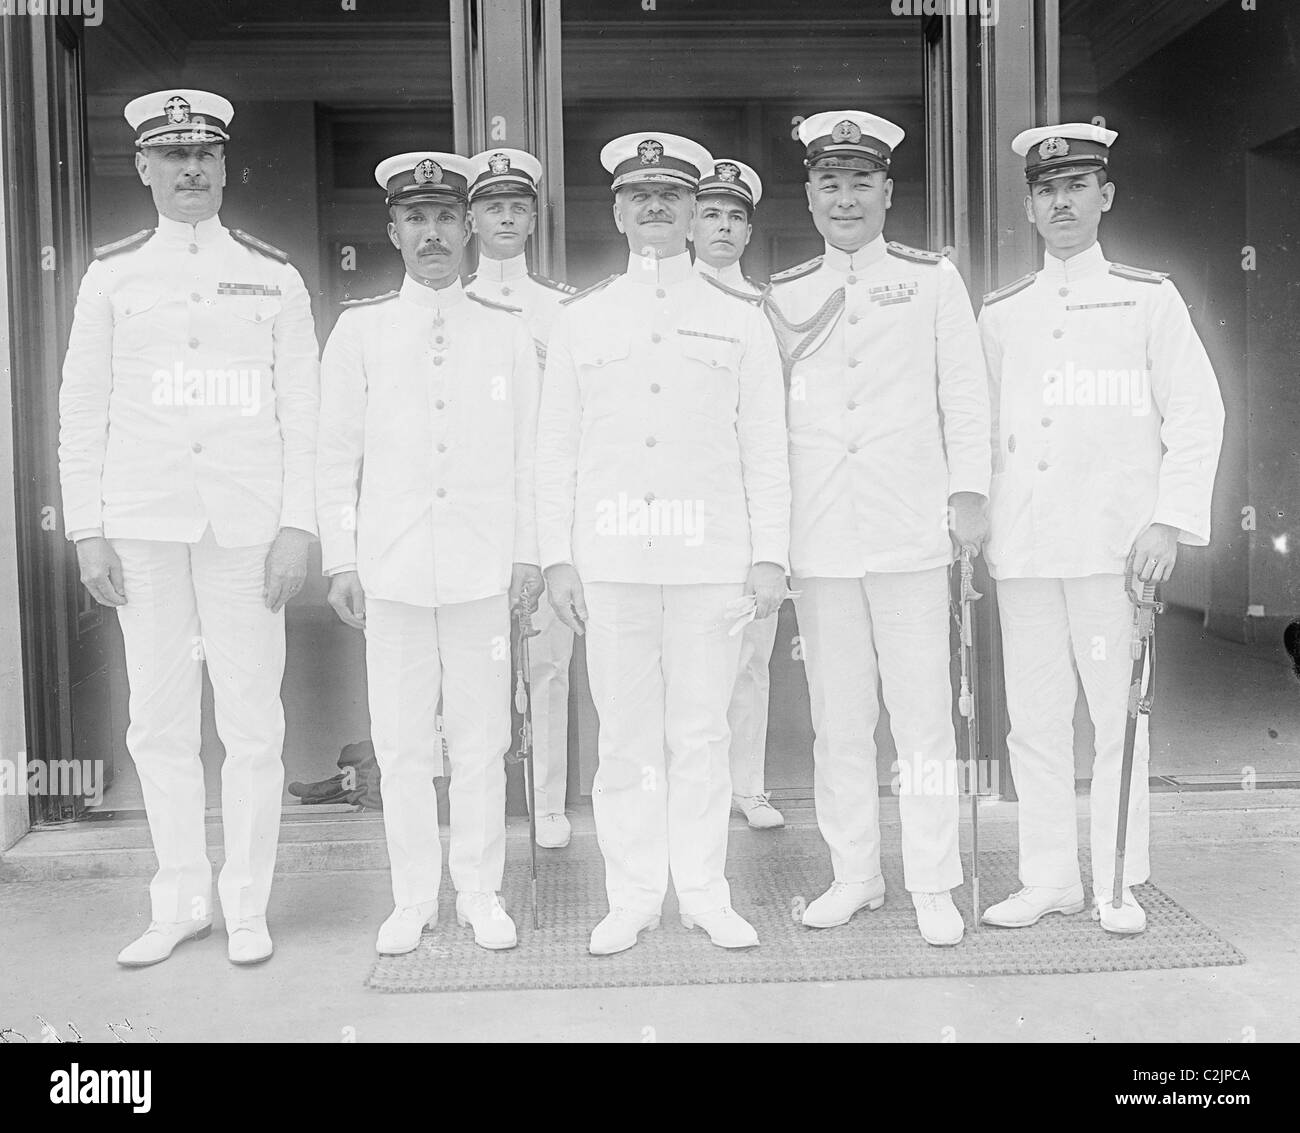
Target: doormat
(772, 874)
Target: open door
(73, 717)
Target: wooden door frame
(27, 48)
(984, 84)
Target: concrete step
(319, 839)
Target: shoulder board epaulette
(1141, 275)
(1010, 289)
(593, 288)
(745, 295)
(259, 245)
(492, 303)
(915, 255)
(102, 253)
(553, 284)
(798, 271)
(371, 299)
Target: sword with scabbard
(1146, 606)
(966, 705)
(524, 629)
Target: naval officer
(187, 435)
(428, 531)
(663, 504)
(1108, 427)
(503, 197)
(729, 191)
(889, 469)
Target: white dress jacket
(424, 474)
(190, 392)
(1107, 417)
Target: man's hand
(101, 571)
(1154, 553)
(565, 590)
(286, 567)
(767, 583)
(968, 521)
(348, 599)
(525, 586)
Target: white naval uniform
(747, 713)
(430, 397)
(187, 437)
(1094, 370)
(661, 476)
(509, 282)
(888, 418)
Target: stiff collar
(499, 271)
(730, 275)
(1091, 261)
(652, 271)
(205, 233)
(432, 298)
(839, 260)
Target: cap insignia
(499, 163)
(846, 131)
(177, 109)
(1054, 147)
(650, 151)
(726, 171)
(428, 172)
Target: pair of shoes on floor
(758, 811)
(937, 918)
(620, 929)
(483, 912)
(1032, 903)
(248, 941)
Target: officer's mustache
(434, 248)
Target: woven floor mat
(772, 874)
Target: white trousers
(549, 654)
(187, 603)
(887, 630)
(662, 669)
(413, 654)
(747, 715)
(1056, 634)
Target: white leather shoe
(938, 919)
(553, 831)
(159, 940)
(1128, 919)
(1032, 903)
(758, 811)
(726, 927)
(400, 933)
(492, 925)
(618, 931)
(248, 941)
(844, 898)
